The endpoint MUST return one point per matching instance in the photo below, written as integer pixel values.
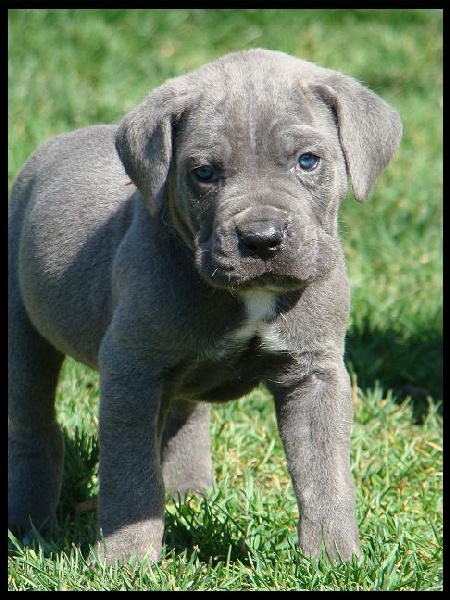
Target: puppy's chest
(234, 364)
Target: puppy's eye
(308, 161)
(205, 173)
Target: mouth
(267, 282)
(230, 270)
(272, 283)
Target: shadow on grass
(80, 467)
(77, 508)
(410, 366)
(214, 539)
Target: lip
(273, 283)
(228, 277)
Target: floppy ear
(144, 140)
(369, 129)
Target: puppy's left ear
(144, 139)
(369, 129)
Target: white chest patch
(260, 307)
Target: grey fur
(184, 292)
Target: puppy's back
(70, 207)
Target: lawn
(71, 68)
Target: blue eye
(205, 173)
(308, 161)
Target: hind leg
(35, 443)
(187, 461)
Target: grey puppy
(217, 267)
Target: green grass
(70, 68)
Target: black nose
(262, 238)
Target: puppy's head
(251, 156)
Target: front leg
(131, 498)
(314, 421)
(186, 448)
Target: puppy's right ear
(144, 140)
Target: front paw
(138, 541)
(340, 538)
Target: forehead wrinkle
(228, 122)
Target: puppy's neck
(260, 307)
